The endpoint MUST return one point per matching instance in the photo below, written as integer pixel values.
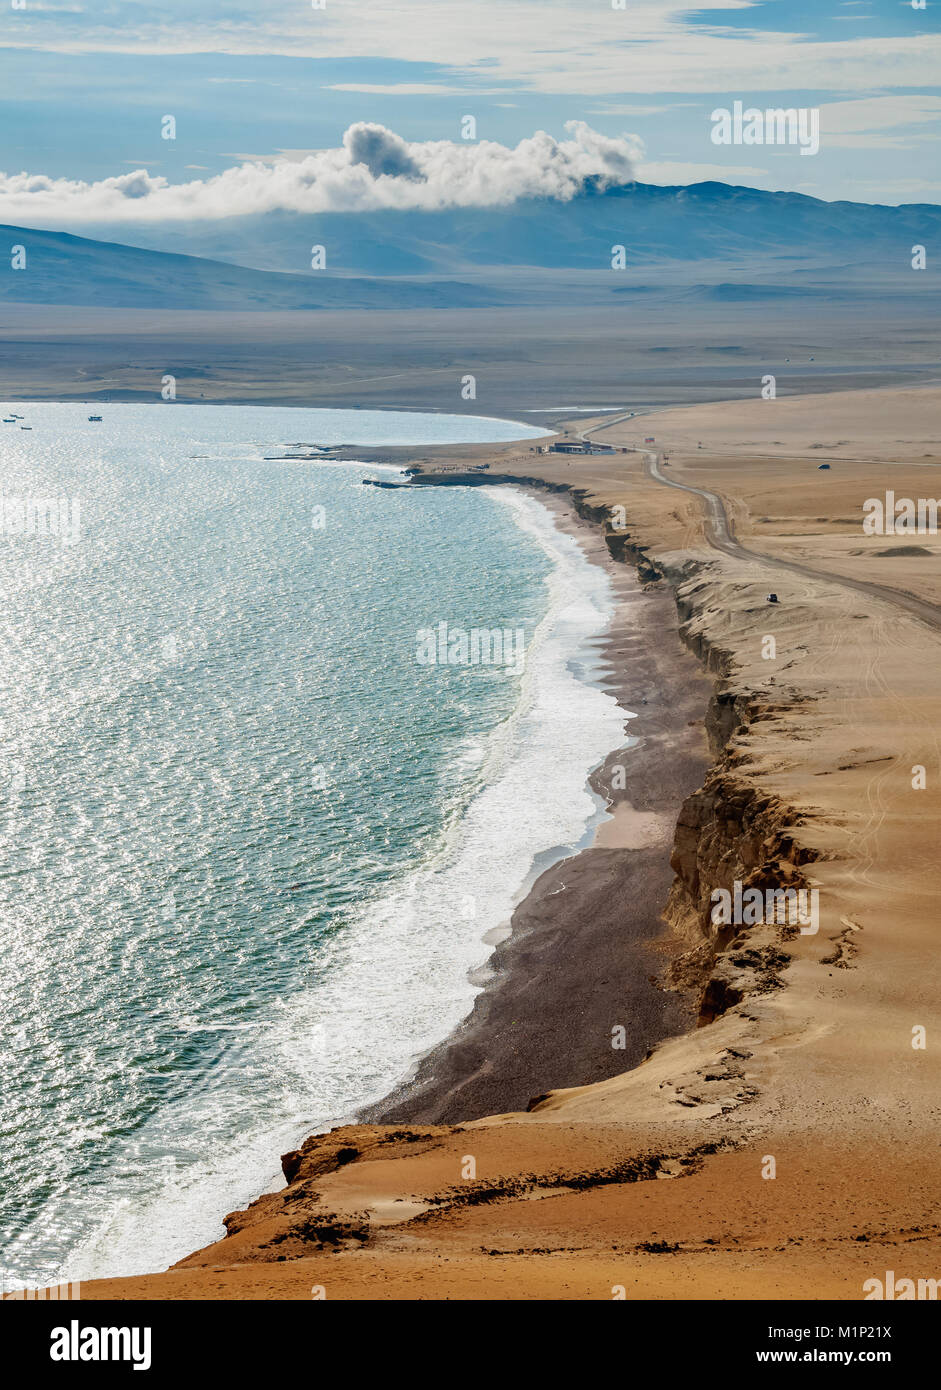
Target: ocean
(250, 841)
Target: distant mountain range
(701, 222)
(71, 270)
(410, 259)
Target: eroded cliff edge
(731, 830)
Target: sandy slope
(652, 1180)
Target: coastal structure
(579, 446)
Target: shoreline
(268, 1180)
(509, 416)
(616, 887)
(512, 1047)
(544, 1016)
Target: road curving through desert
(719, 535)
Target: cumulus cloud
(384, 153)
(373, 168)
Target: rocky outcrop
(481, 479)
(730, 832)
(305, 1217)
(622, 545)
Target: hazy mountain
(702, 222)
(717, 242)
(70, 270)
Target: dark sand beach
(588, 940)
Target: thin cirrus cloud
(410, 89)
(898, 121)
(550, 46)
(373, 168)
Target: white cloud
(862, 124)
(374, 168)
(556, 46)
(410, 89)
(623, 109)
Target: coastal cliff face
(621, 544)
(729, 831)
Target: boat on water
(95, 419)
(26, 427)
(9, 419)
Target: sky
(264, 95)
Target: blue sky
(84, 85)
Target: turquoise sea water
(249, 845)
